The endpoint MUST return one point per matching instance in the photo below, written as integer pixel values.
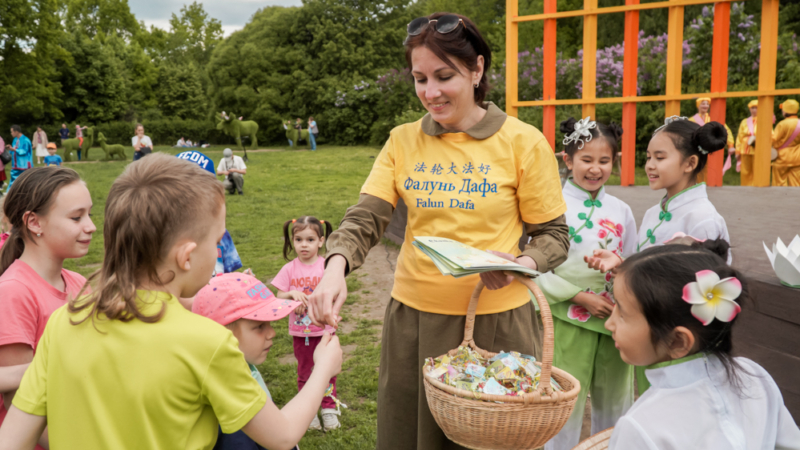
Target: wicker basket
(597, 442)
(526, 421)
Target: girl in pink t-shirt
(48, 210)
(297, 280)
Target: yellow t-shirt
(136, 385)
(474, 191)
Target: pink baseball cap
(233, 296)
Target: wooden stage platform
(768, 331)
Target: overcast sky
(233, 14)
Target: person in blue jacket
(21, 154)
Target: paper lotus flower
(786, 261)
(712, 298)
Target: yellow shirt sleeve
(539, 191)
(229, 388)
(381, 181)
(31, 397)
(730, 136)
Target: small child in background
(52, 159)
(297, 280)
(579, 297)
(245, 306)
(676, 308)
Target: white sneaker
(330, 419)
(315, 425)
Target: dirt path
(377, 278)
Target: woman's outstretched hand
(327, 299)
(603, 260)
(497, 279)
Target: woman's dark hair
(656, 278)
(611, 133)
(689, 138)
(290, 227)
(465, 44)
(33, 192)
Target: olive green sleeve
(549, 243)
(361, 229)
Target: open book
(460, 260)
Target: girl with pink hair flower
(676, 309)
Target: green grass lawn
(280, 186)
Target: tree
(180, 93)
(29, 32)
(193, 36)
(93, 17)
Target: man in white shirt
(233, 169)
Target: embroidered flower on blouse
(602, 233)
(712, 298)
(579, 313)
(614, 228)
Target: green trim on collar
(591, 198)
(675, 362)
(665, 208)
(486, 128)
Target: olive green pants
(409, 337)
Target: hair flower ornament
(668, 121)
(712, 298)
(582, 133)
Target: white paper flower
(711, 297)
(786, 261)
(582, 132)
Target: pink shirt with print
(26, 303)
(296, 276)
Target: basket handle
(547, 320)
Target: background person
(52, 159)
(21, 154)
(233, 169)
(313, 132)
(703, 117)
(786, 139)
(40, 144)
(79, 136)
(463, 146)
(142, 145)
(63, 132)
(746, 145)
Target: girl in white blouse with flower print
(580, 297)
(676, 307)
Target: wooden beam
(766, 82)
(512, 58)
(588, 85)
(549, 75)
(617, 9)
(629, 89)
(719, 83)
(663, 98)
(674, 58)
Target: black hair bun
(616, 130)
(568, 126)
(719, 246)
(710, 137)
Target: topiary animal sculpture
(73, 145)
(236, 128)
(111, 149)
(292, 134)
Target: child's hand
(249, 271)
(597, 305)
(603, 260)
(328, 356)
(300, 310)
(299, 297)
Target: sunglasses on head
(444, 24)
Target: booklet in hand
(460, 260)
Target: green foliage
(180, 92)
(107, 17)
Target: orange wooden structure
(673, 96)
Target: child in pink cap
(245, 306)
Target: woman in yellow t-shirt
(786, 139)
(467, 172)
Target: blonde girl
(49, 212)
(128, 367)
(297, 280)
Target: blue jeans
(79, 155)
(313, 139)
(236, 441)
